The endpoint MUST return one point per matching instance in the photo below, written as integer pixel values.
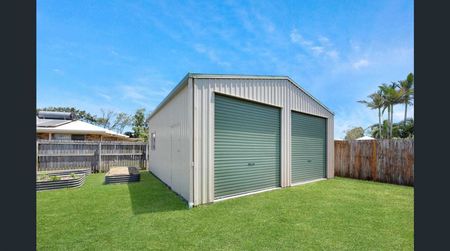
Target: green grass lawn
(336, 214)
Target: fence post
(144, 157)
(99, 156)
(147, 155)
(37, 155)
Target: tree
(121, 121)
(399, 130)
(377, 132)
(391, 97)
(105, 119)
(140, 126)
(400, 92)
(113, 121)
(376, 102)
(79, 114)
(354, 133)
(406, 129)
(407, 92)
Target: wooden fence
(390, 161)
(99, 156)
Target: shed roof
(184, 82)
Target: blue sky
(124, 55)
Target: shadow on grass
(150, 195)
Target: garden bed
(53, 181)
(122, 174)
(66, 171)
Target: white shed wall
(276, 92)
(172, 157)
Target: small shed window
(153, 141)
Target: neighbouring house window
(78, 137)
(60, 136)
(153, 141)
(44, 136)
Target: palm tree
(376, 101)
(399, 129)
(407, 92)
(377, 132)
(391, 97)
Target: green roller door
(246, 146)
(308, 146)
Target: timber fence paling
(389, 161)
(94, 155)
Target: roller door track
(308, 146)
(246, 147)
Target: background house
(64, 126)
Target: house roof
(75, 127)
(365, 138)
(51, 122)
(184, 82)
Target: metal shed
(220, 136)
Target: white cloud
(105, 96)
(356, 116)
(211, 54)
(321, 47)
(333, 54)
(399, 112)
(58, 71)
(270, 27)
(355, 46)
(317, 50)
(145, 91)
(324, 41)
(296, 38)
(244, 17)
(132, 92)
(360, 64)
(265, 23)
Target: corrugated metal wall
(277, 92)
(171, 159)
